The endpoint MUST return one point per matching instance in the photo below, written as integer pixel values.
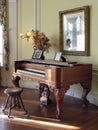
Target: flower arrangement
(40, 41)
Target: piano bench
(13, 99)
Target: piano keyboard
(32, 72)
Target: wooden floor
(43, 118)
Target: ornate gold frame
(74, 13)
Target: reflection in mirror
(74, 31)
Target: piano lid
(50, 62)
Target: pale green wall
(50, 25)
(27, 25)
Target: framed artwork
(58, 56)
(37, 54)
(74, 31)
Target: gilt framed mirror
(75, 31)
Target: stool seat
(13, 91)
(14, 99)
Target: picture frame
(75, 31)
(37, 54)
(58, 56)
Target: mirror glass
(74, 31)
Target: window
(1, 45)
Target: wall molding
(12, 1)
(95, 74)
(19, 26)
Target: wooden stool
(13, 99)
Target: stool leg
(17, 102)
(22, 103)
(7, 99)
(14, 101)
(10, 107)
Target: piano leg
(59, 96)
(86, 89)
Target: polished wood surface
(43, 118)
(57, 75)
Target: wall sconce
(26, 35)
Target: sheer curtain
(3, 22)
